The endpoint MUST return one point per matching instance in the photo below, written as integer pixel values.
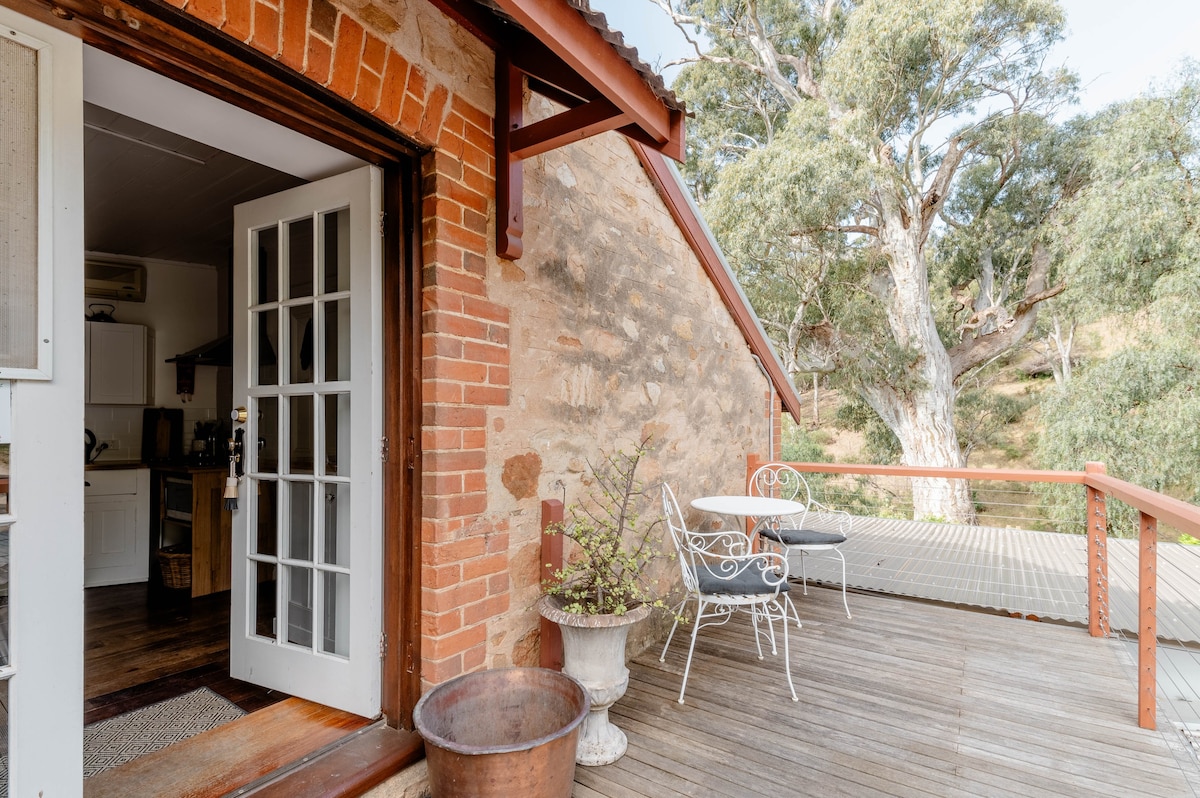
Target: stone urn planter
(594, 654)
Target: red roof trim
(702, 245)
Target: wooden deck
(907, 699)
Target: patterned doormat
(118, 740)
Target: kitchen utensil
(89, 443)
(98, 314)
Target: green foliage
(882, 447)
(605, 571)
(981, 416)
(1138, 412)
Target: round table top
(757, 506)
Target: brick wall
(608, 326)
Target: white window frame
(44, 370)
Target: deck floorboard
(908, 698)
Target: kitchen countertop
(112, 465)
(181, 468)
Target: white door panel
(307, 573)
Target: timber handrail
(1153, 508)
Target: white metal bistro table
(760, 507)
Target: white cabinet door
(307, 540)
(119, 364)
(116, 530)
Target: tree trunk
(921, 413)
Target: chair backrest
(679, 536)
(780, 481)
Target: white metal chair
(723, 575)
(803, 533)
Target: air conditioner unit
(114, 279)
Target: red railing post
(552, 560)
(1147, 619)
(1097, 547)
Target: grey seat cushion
(802, 537)
(750, 582)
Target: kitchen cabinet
(191, 518)
(120, 364)
(116, 515)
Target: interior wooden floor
(138, 652)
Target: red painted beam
(510, 178)
(575, 124)
(575, 41)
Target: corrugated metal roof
(1011, 570)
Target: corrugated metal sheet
(1010, 570)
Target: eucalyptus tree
(1135, 233)
(836, 142)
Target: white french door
(307, 539)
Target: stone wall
(606, 332)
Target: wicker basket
(176, 564)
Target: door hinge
(384, 449)
(382, 218)
(383, 644)
(411, 454)
(410, 658)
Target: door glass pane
(335, 636)
(299, 605)
(18, 203)
(336, 539)
(300, 525)
(300, 344)
(265, 256)
(268, 434)
(4, 653)
(300, 258)
(337, 340)
(267, 331)
(264, 600)
(300, 424)
(336, 250)
(266, 540)
(337, 434)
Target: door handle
(236, 452)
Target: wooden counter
(211, 528)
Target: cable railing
(1083, 513)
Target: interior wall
(181, 307)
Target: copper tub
(505, 733)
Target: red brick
(375, 54)
(484, 566)
(444, 209)
(471, 113)
(442, 623)
(441, 484)
(461, 506)
(431, 119)
(210, 11)
(454, 552)
(324, 19)
(318, 63)
(457, 643)
(444, 346)
(484, 309)
(479, 138)
(460, 370)
(482, 183)
(416, 85)
(498, 541)
(474, 439)
(435, 577)
(454, 417)
(441, 439)
(462, 326)
(437, 298)
(266, 29)
(490, 353)
(366, 93)
(453, 125)
(476, 157)
(461, 281)
(440, 391)
(395, 76)
(436, 672)
(177, 3)
(484, 610)
(490, 396)
(474, 658)
(464, 195)
(498, 375)
(347, 51)
(295, 33)
(499, 584)
(475, 263)
(475, 221)
(237, 19)
(461, 237)
(447, 167)
(411, 111)
(453, 597)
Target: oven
(177, 498)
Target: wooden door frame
(174, 44)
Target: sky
(1117, 47)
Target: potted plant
(601, 591)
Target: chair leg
(787, 658)
(662, 657)
(803, 576)
(687, 668)
(795, 612)
(845, 603)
